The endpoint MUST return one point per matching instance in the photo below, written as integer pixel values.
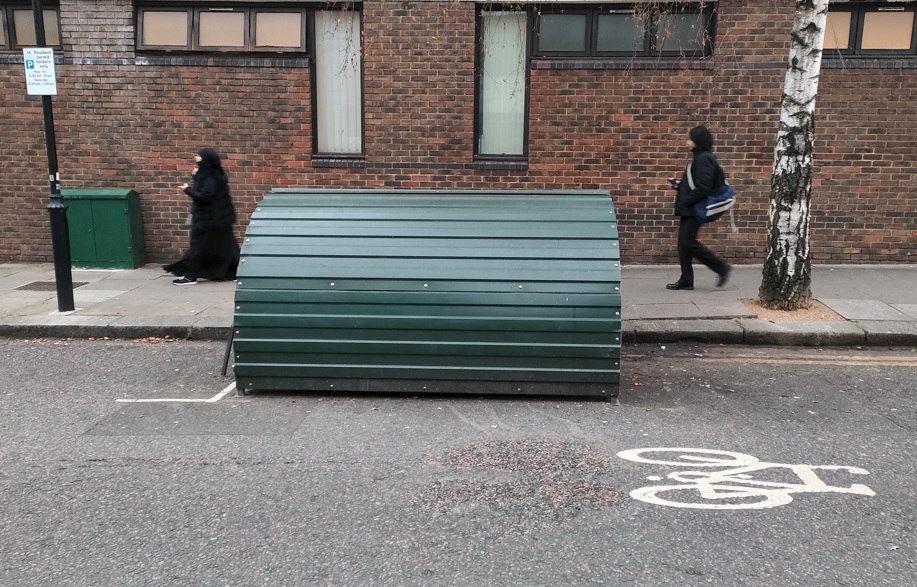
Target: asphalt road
(300, 489)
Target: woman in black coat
(707, 175)
(214, 251)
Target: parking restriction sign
(40, 79)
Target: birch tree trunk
(787, 274)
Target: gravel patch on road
(532, 480)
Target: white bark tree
(787, 275)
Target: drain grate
(47, 285)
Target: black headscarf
(209, 159)
(703, 140)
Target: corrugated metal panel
(430, 291)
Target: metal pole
(57, 209)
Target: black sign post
(57, 209)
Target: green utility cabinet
(106, 231)
(479, 292)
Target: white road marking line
(842, 361)
(214, 399)
(795, 359)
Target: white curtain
(338, 87)
(503, 84)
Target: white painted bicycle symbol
(722, 480)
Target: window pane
(562, 32)
(222, 29)
(278, 29)
(620, 32)
(338, 84)
(4, 42)
(503, 84)
(681, 32)
(24, 23)
(887, 30)
(837, 35)
(166, 29)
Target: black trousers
(690, 248)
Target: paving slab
(865, 309)
(7, 269)
(909, 310)
(31, 294)
(677, 310)
(12, 269)
(124, 284)
(727, 307)
(888, 283)
(15, 305)
(147, 273)
(654, 293)
(83, 296)
(152, 308)
(219, 311)
(649, 272)
(93, 275)
(37, 307)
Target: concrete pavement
(872, 305)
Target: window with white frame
(338, 83)
(17, 25)
(502, 83)
(871, 29)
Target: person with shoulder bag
(702, 177)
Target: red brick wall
(132, 123)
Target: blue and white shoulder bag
(713, 206)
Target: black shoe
(184, 281)
(724, 276)
(678, 285)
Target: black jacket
(212, 207)
(707, 174)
